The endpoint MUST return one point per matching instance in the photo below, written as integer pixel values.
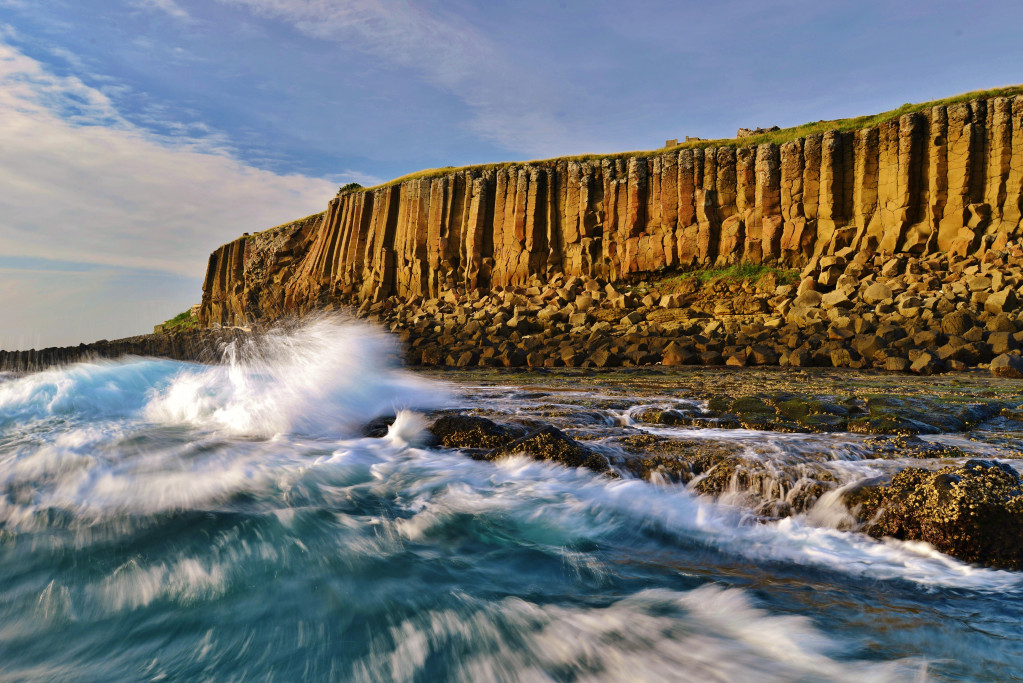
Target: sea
(171, 521)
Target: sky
(136, 136)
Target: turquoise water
(169, 521)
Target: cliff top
(777, 137)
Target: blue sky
(138, 135)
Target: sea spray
(323, 378)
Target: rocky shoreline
(859, 310)
(925, 488)
(869, 314)
(894, 312)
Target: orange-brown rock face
(245, 279)
(946, 179)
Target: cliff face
(947, 179)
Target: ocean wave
(326, 378)
(706, 634)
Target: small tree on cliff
(350, 187)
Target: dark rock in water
(774, 491)
(898, 447)
(972, 511)
(378, 426)
(550, 444)
(714, 469)
(469, 431)
(673, 459)
(664, 417)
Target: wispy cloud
(169, 7)
(84, 185)
(511, 106)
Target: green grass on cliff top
(180, 322)
(777, 137)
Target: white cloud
(84, 185)
(513, 107)
(169, 7)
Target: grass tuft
(180, 322)
(744, 271)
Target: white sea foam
(706, 634)
(325, 379)
(143, 435)
(408, 429)
(134, 585)
(99, 390)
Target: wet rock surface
(778, 443)
(470, 431)
(972, 511)
(551, 445)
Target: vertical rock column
(1012, 207)
(764, 244)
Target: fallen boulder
(1006, 365)
(972, 511)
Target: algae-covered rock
(469, 431)
(911, 446)
(672, 459)
(972, 511)
(752, 407)
(789, 413)
(550, 444)
(816, 414)
(669, 418)
(908, 415)
(889, 424)
(754, 412)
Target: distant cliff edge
(948, 178)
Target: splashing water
(168, 520)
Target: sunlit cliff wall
(947, 179)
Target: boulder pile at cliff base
(856, 309)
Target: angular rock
(1004, 301)
(877, 293)
(836, 299)
(1007, 366)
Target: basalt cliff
(948, 179)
